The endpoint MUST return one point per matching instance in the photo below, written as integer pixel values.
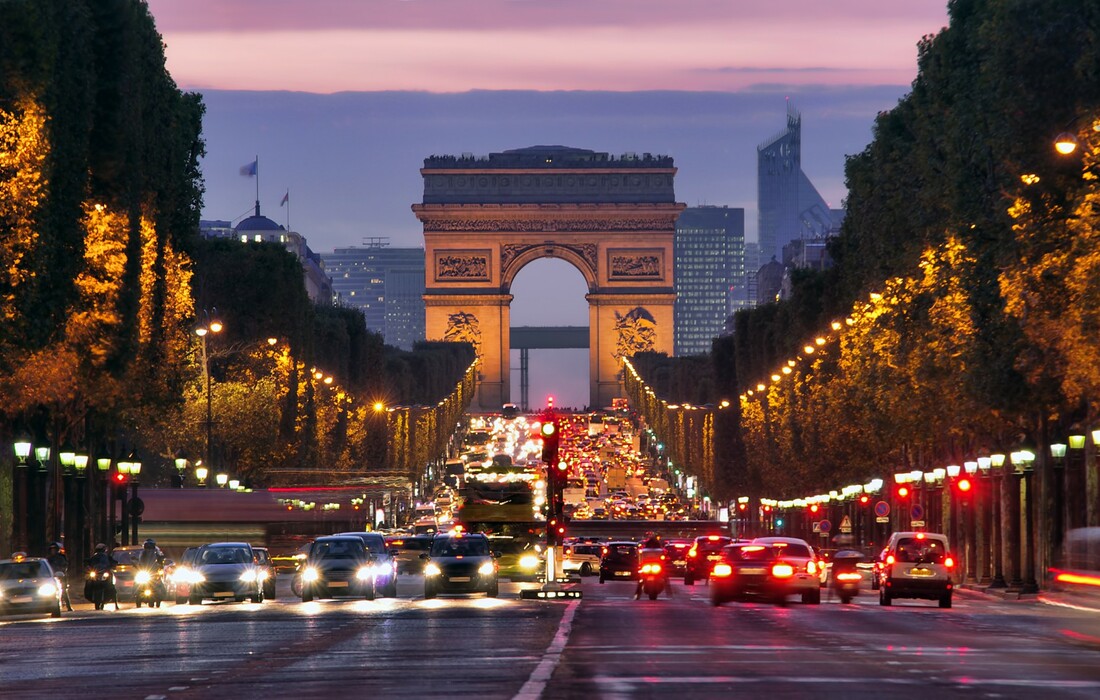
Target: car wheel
(269, 590)
(688, 580)
(137, 602)
(259, 597)
(307, 597)
(194, 600)
(716, 599)
(601, 578)
(883, 597)
(390, 591)
(296, 586)
(586, 569)
(945, 600)
(180, 600)
(812, 597)
(429, 592)
(845, 599)
(494, 590)
(368, 594)
(56, 612)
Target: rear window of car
(709, 545)
(796, 550)
(587, 549)
(622, 551)
(754, 553)
(929, 549)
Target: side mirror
(495, 555)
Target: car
(582, 557)
(749, 570)
(792, 570)
(704, 552)
(28, 585)
(225, 570)
(460, 563)
(183, 574)
(289, 562)
(409, 548)
(338, 565)
(916, 565)
(267, 571)
(619, 561)
(677, 555)
(385, 561)
(517, 559)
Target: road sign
(846, 525)
(824, 526)
(882, 509)
(882, 519)
(916, 512)
(817, 526)
(916, 523)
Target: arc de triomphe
(611, 218)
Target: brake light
(920, 535)
(849, 576)
(811, 568)
(693, 552)
(722, 570)
(890, 559)
(712, 538)
(782, 570)
(949, 562)
(753, 548)
(651, 568)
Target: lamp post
(21, 484)
(123, 467)
(983, 507)
(77, 544)
(210, 324)
(39, 523)
(106, 528)
(1074, 481)
(200, 473)
(222, 479)
(1058, 456)
(136, 507)
(1023, 461)
(66, 458)
(1000, 521)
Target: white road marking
(632, 682)
(536, 683)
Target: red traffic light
(964, 485)
(120, 478)
(864, 499)
(814, 508)
(563, 467)
(903, 492)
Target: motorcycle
(99, 588)
(846, 577)
(149, 587)
(653, 579)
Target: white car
(916, 565)
(582, 558)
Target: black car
(460, 563)
(702, 556)
(408, 550)
(619, 562)
(225, 570)
(338, 566)
(385, 561)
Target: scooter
(149, 587)
(846, 576)
(653, 579)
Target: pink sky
(329, 46)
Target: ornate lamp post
(1058, 456)
(1075, 481)
(106, 528)
(996, 461)
(21, 484)
(1023, 460)
(38, 525)
(200, 473)
(210, 324)
(222, 478)
(982, 514)
(77, 544)
(135, 506)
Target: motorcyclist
(150, 557)
(652, 551)
(101, 560)
(60, 565)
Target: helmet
(54, 545)
(101, 547)
(150, 543)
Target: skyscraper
(790, 207)
(709, 255)
(386, 284)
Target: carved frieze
(636, 264)
(635, 331)
(538, 225)
(463, 327)
(462, 266)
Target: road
(604, 646)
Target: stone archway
(613, 219)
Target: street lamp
(211, 324)
(222, 479)
(201, 473)
(136, 507)
(1022, 461)
(22, 447)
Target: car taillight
(949, 562)
(693, 552)
(890, 559)
(651, 568)
(782, 570)
(849, 576)
(811, 567)
(722, 570)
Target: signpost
(882, 512)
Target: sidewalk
(1084, 600)
(999, 593)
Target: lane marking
(536, 683)
(632, 682)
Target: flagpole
(288, 210)
(257, 184)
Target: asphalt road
(604, 646)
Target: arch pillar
(483, 320)
(622, 324)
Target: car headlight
(486, 569)
(142, 577)
(431, 570)
(382, 569)
(262, 575)
(528, 561)
(365, 573)
(310, 575)
(194, 577)
(47, 590)
(248, 576)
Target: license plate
(22, 599)
(224, 594)
(713, 557)
(337, 584)
(459, 579)
(752, 570)
(921, 572)
(623, 573)
(679, 562)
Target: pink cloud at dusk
(329, 46)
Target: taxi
(27, 585)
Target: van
(916, 565)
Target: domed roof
(258, 223)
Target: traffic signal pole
(551, 588)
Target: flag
(250, 169)
(286, 198)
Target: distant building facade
(709, 256)
(789, 206)
(260, 229)
(386, 284)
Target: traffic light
(118, 486)
(549, 443)
(964, 487)
(902, 492)
(555, 531)
(864, 500)
(814, 508)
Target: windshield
(225, 555)
(337, 549)
(454, 546)
(23, 569)
(124, 556)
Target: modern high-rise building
(789, 206)
(709, 261)
(386, 284)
